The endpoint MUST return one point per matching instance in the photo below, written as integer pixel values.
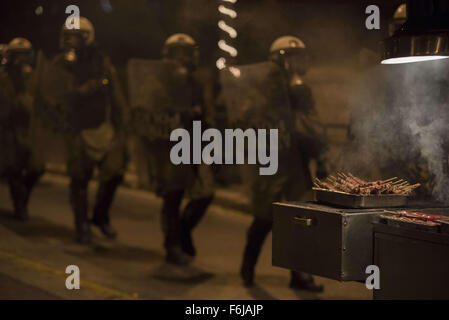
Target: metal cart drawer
(324, 241)
(413, 264)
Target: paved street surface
(34, 255)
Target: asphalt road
(35, 254)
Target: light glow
(225, 47)
(226, 11)
(412, 59)
(221, 63)
(39, 10)
(235, 72)
(229, 30)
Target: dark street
(231, 150)
(34, 255)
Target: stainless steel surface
(425, 33)
(359, 201)
(436, 44)
(324, 241)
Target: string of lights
(229, 33)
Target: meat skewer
(391, 179)
(348, 183)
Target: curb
(230, 198)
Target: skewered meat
(420, 218)
(412, 220)
(419, 215)
(354, 185)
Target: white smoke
(400, 120)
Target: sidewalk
(34, 255)
(232, 197)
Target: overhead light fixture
(423, 37)
(412, 59)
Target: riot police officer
(173, 183)
(302, 142)
(398, 19)
(94, 111)
(18, 162)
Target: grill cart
(339, 243)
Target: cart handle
(303, 222)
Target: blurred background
(334, 31)
(341, 50)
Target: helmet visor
(295, 61)
(73, 39)
(21, 57)
(182, 53)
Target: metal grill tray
(347, 200)
(409, 225)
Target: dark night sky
(137, 28)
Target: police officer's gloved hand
(90, 86)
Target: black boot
(171, 227)
(18, 192)
(31, 179)
(108, 231)
(176, 256)
(192, 215)
(187, 242)
(24, 187)
(83, 233)
(105, 196)
(78, 201)
(304, 281)
(256, 236)
(247, 272)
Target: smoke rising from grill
(399, 125)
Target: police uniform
(94, 115)
(18, 163)
(176, 182)
(300, 140)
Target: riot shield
(53, 85)
(160, 94)
(258, 98)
